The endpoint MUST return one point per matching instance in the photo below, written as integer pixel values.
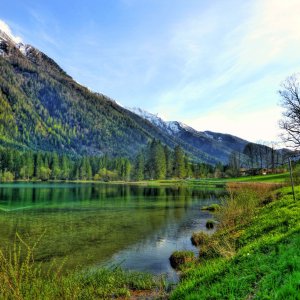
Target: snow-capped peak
(7, 37)
(153, 118)
(172, 127)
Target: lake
(90, 225)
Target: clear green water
(94, 224)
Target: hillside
(43, 108)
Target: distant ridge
(213, 144)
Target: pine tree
(89, 173)
(65, 168)
(169, 162)
(179, 164)
(139, 167)
(159, 161)
(127, 170)
(55, 167)
(39, 164)
(83, 168)
(188, 169)
(29, 163)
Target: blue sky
(214, 65)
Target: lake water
(84, 225)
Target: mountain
(43, 108)
(213, 144)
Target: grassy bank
(256, 252)
(21, 278)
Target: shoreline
(243, 258)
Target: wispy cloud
(237, 69)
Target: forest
(155, 161)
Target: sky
(214, 65)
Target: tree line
(28, 165)
(155, 161)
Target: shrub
(242, 200)
(212, 207)
(179, 258)
(199, 238)
(210, 224)
(218, 245)
(7, 176)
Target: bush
(199, 238)
(212, 207)
(210, 224)
(179, 258)
(7, 176)
(242, 201)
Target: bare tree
(290, 101)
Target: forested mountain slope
(43, 108)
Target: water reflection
(91, 224)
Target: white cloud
(231, 75)
(253, 126)
(4, 27)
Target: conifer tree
(169, 162)
(55, 167)
(39, 164)
(159, 161)
(179, 163)
(65, 168)
(127, 169)
(139, 167)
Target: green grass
(272, 178)
(21, 278)
(266, 263)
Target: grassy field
(272, 178)
(253, 257)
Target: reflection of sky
(153, 252)
(142, 226)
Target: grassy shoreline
(256, 257)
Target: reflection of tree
(90, 222)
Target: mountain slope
(43, 108)
(213, 144)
